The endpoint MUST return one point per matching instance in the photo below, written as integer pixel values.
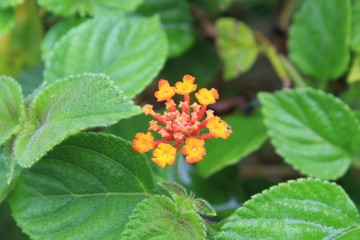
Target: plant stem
(295, 75)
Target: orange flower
(164, 154)
(186, 86)
(194, 150)
(207, 97)
(181, 125)
(143, 142)
(218, 128)
(165, 92)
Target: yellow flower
(186, 86)
(165, 92)
(206, 97)
(218, 128)
(143, 142)
(164, 154)
(194, 150)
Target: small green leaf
(175, 20)
(12, 110)
(314, 131)
(94, 7)
(4, 187)
(237, 46)
(173, 188)
(354, 73)
(67, 107)
(319, 39)
(160, 218)
(7, 19)
(249, 133)
(9, 3)
(56, 32)
(85, 188)
(355, 34)
(130, 50)
(303, 209)
(203, 207)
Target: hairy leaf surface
(303, 209)
(314, 131)
(12, 110)
(85, 188)
(160, 218)
(67, 107)
(130, 50)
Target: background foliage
(74, 73)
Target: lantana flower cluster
(182, 125)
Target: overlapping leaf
(176, 21)
(12, 110)
(248, 135)
(319, 39)
(9, 3)
(314, 131)
(67, 107)
(85, 188)
(7, 19)
(160, 218)
(94, 7)
(130, 50)
(303, 209)
(237, 46)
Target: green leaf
(12, 110)
(319, 39)
(130, 50)
(175, 20)
(94, 7)
(9, 3)
(237, 46)
(160, 218)
(203, 207)
(314, 131)
(67, 107)
(4, 187)
(249, 133)
(83, 189)
(56, 32)
(303, 209)
(355, 34)
(7, 19)
(354, 73)
(173, 188)
(352, 234)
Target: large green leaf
(94, 7)
(56, 32)
(160, 218)
(4, 187)
(130, 50)
(319, 39)
(175, 20)
(12, 110)
(249, 133)
(355, 34)
(314, 131)
(237, 46)
(67, 107)
(303, 209)
(83, 189)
